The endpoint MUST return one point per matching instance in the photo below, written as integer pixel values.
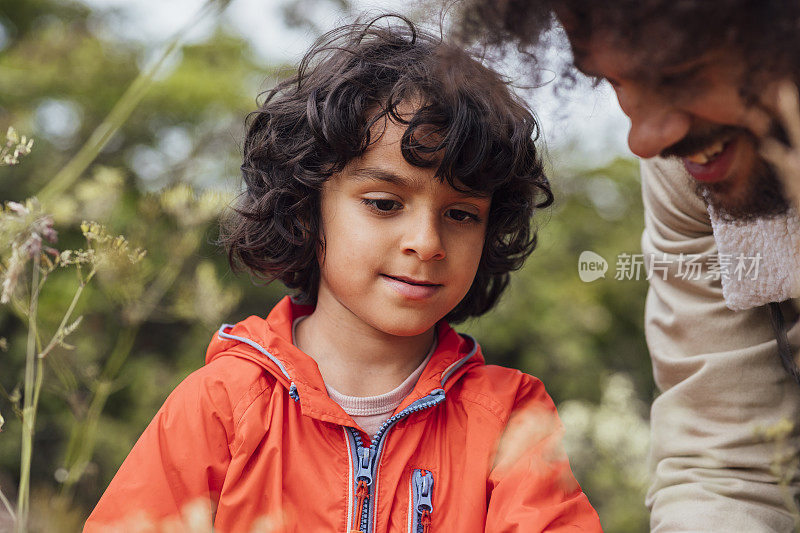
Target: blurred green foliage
(585, 341)
(145, 329)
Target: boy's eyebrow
(380, 174)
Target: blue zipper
(365, 460)
(421, 499)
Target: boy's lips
(411, 288)
(713, 169)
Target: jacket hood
(268, 343)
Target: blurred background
(137, 111)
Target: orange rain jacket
(253, 442)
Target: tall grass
(26, 238)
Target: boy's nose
(424, 239)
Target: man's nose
(424, 239)
(656, 124)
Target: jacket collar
(268, 343)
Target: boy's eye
(460, 215)
(381, 204)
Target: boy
(391, 182)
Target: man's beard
(763, 194)
(763, 197)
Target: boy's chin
(407, 328)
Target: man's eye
(381, 205)
(686, 77)
(461, 216)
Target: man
(699, 81)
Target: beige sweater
(722, 384)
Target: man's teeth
(701, 158)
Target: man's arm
(721, 381)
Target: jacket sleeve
(531, 485)
(714, 466)
(172, 477)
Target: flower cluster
(26, 228)
(15, 147)
(108, 245)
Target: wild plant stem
(121, 111)
(28, 406)
(59, 331)
(83, 436)
(7, 505)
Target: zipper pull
(364, 472)
(362, 494)
(425, 520)
(423, 482)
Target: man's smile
(714, 163)
(709, 154)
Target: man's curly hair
(657, 33)
(467, 124)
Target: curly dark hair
(467, 124)
(658, 33)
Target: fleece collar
(758, 258)
(268, 343)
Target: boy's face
(401, 247)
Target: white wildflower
(18, 208)
(26, 228)
(15, 147)
(16, 266)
